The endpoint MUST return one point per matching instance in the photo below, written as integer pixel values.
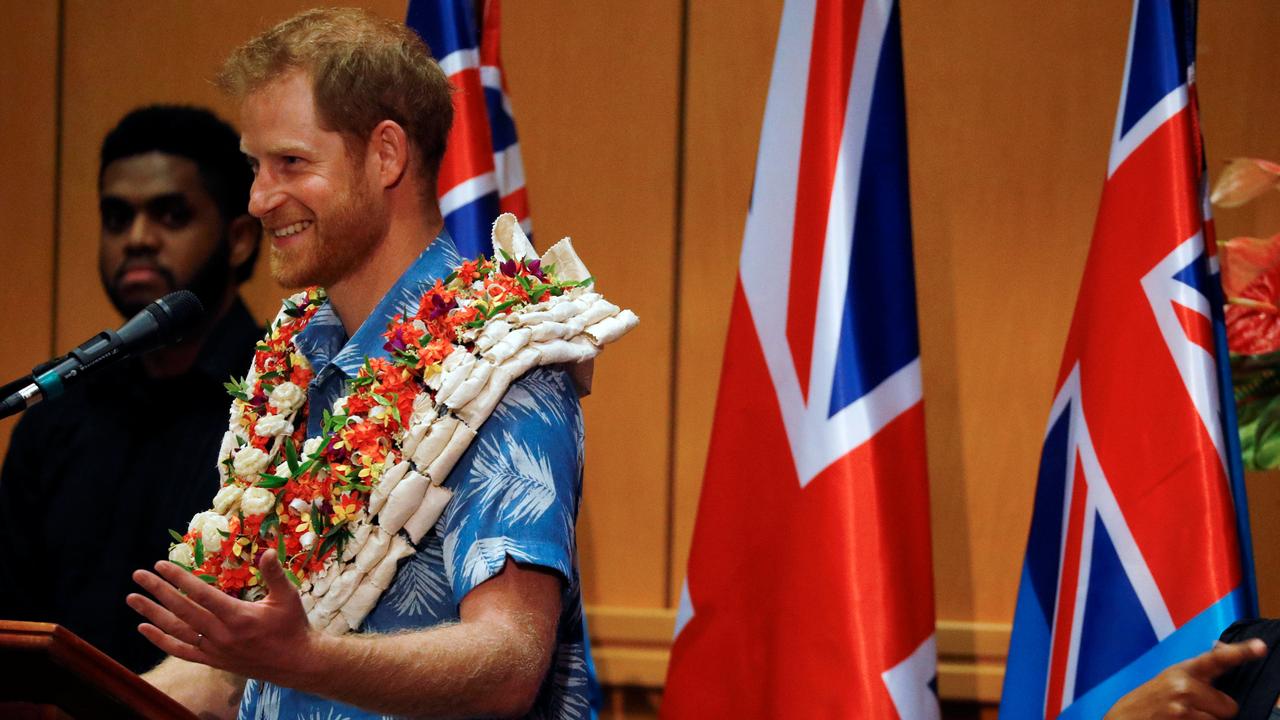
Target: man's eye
(116, 217)
(291, 160)
(175, 218)
(171, 212)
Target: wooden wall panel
(28, 137)
(730, 58)
(1009, 110)
(595, 90)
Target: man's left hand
(195, 621)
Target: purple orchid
(396, 342)
(440, 308)
(535, 269)
(508, 268)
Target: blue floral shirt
(516, 493)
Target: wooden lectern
(47, 672)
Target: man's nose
(264, 195)
(143, 234)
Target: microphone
(161, 323)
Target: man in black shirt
(94, 480)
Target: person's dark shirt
(94, 480)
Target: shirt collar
(324, 341)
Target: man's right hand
(1185, 690)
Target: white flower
(299, 506)
(209, 526)
(311, 446)
(257, 501)
(307, 540)
(273, 425)
(250, 461)
(236, 415)
(287, 397)
(340, 405)
(226, 499)
(182, 554)
(377, 412)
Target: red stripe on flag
(470, 149)
(516, 203)
(835, 39)
(1070, 575)
(490, 40)
(1196, 326)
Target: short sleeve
(517, 487)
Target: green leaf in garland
(332, 539)
(270, 482)
(497, 310)
(291, 456)
(235, 388)
(174, 534)
(292, 578)
(280, 553)
(208, 578)
(199, 551)
(268, 522)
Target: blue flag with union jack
(482, 174)
(809, 590)
(1138, 554)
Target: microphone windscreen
(163, 322)
(176, 313)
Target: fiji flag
(482, 174)
(809, 590)
(1138, 555)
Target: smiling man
(88, 490)
(344, 120)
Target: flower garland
(332, 505)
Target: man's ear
(243, 236)
(389, 149)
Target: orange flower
(467, 272)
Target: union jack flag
(482, 174)
(809, 586)
(1138, 554)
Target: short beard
(343, 243)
